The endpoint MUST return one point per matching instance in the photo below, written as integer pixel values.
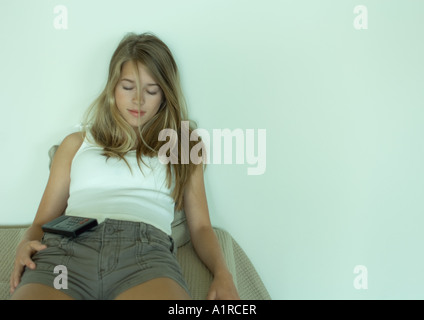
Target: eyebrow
(132, 81)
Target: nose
(138, 99)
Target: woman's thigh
(36, 291)
(156, 289)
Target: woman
(111, 172)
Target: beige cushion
(180, 231)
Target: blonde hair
(111, 131)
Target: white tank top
(105, 188)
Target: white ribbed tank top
(105, 188)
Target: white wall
(342, 109)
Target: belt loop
(142, 231)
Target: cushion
(180, 231)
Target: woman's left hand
(223, 288)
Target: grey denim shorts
(107, 260)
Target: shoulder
(74, 138)
(70, 145)
(73, 141)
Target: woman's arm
(55, 197)
(204, 238)
(52, 205)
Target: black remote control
(69, 226)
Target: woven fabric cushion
(9, 239)
(180, 231)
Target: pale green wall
(342, 109)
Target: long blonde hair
(110, 130)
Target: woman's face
(137, 112)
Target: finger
(29, 263)
(12, 284)
(37, 246)
(15, 278)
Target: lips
(136, 113)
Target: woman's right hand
(24, 253)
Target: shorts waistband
(111, 229)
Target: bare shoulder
(69, 146)
(56, 194)
(75, 138)
(73, 141)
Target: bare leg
(36, 291)
(156, 289)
